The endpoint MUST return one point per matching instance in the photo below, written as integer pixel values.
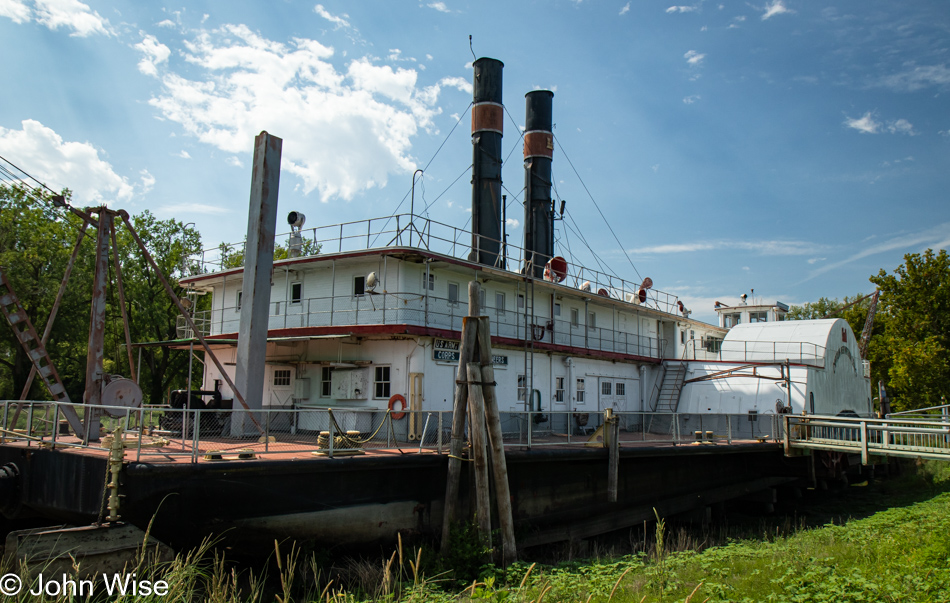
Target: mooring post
(466, 349)
(612, 436)
(476, 409)
(495, 438)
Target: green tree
(914, 348)
(233, 257)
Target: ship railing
(405, 230)
(160, 434)
(440, 313)
(796, 352)
(868, 436)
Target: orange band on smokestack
(538, 144)
(488, 117)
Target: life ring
(402, 411)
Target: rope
(356, 442)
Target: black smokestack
(538, 150)
(487, 127)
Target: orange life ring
(402, 401)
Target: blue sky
(790, 147)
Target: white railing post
(864, 442)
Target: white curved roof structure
(799, 341)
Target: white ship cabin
(799, 367)
(378, 312)
(745, 313)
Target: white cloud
(694, 58)
(167, 23)
(184, 154)
(689, 100)
(512, 223)
(917, 77)
(340, 22)
(776, 7)
(864, 124)
(655, 168)
(439, 6)
(934, 237)
(232, 160)
(192, 208)
(680, 9)
(60, 164)
(16, 10)
(344, 131)
(766, 247)
(625, 9)
(148, 181)
(71, 14)
(155, 53)
(816, 260)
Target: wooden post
(466, 350)
(476, 426)
(499, 464)
(612, 435)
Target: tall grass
(898, 554)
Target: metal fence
(430, 235)
(893, 436)
(430, 311)
(162, 434)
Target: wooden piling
(476, 427)
(498, 463)
(456, 444)
(612, 435)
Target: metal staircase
(16, 316)
(669, 397)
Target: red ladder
(23, 329)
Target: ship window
(731, 320)
(282, 377)
(522, 387)
(431, 282)
(296, 292)
(621, 389)
(713, 344)
(575, 317)
(359, 285)
(520, 301)
(682, 336)
(276, 308)
(237, 304)
(382, 382)
(605, 388)
(454, 293)
(557, 309)
(499, 302)
(591, 321)
(326, 381)
(559, 389)
(580, 391)
(758, 316)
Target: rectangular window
(282, 377)
(605, 388)
(713, 344)
(237, 303)
(520, 301)
(359, 285)
(575, 317)
(682, 336)
(731, 320)
(276, 308)
(431, 282)
(580, 391)
(758, 316)
(557, 309)
(326, 381)
(296, 292)
(454, 293)
(522, 387)
(559, 389)
(381, 382)
(499, 302)
(621, 389)
(692, 335)
(591, 321)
